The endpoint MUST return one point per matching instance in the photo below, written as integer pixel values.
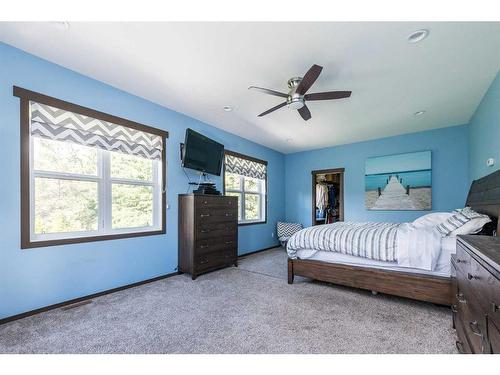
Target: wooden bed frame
(483, 197)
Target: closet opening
(327, 196)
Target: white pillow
(460, 218)
(471, 227)
(431, 220)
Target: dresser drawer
(214, 230)
(462, 259)
(487, 288)
(494, 337)
(474, 328)
(215, 215)
(214, 260)
(461, 343)
(215, 202)
(211, 245)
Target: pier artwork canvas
(399, 182)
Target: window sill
(245, 223)
(67, 241)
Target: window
(86, 175)
(246, 178)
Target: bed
(412, 262)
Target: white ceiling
(197, 68)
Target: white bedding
(443, 265)
(402, 244)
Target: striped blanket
(376, 241)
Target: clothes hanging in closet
(321, 197)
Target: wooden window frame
(242, 156)
(25, 97)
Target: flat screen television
(202, 153)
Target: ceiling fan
(296, 97)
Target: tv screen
(202, 153)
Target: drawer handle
(494, 307)
(461, 261)
(205, 230)
(229, 242)
(203, 260)
(470, 276)
(205, 202)
(454, 309)
(204, 246)
(228, 214)
(460, 298)
(475, 328)
(204, 215)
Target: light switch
(490, 162)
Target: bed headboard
(484, 197)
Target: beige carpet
(249, 309)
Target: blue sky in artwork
(398, 163)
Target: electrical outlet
(490, 162)
(272, 234)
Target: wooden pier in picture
(394, 197)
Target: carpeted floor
(249, 309)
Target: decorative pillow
(459, 218)
(287, 229)
(431, 220)
(473, 226)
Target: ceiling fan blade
(268, 91)
(328, 95)
(309, 78)
(304, 112)
(272, 109)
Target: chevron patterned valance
(62, 125)
(245, 167)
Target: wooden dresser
(208, 233)
(476, 283)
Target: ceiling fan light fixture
(418, 35)
(296, 104)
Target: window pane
(252, 184)
(64, 157)
(252, 207)
(131, 167)
(233, 181)
(132, 206)
(239, 203)
(65, 205)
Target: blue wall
(450, 184)
(484, 133)
(30, 279)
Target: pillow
(473, 226)
(287, 229)
(431, 220)
(459, 218)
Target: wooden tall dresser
(208, 233)
(476, 282)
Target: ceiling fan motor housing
(294, 100)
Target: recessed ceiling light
(64, 26)
(418, 36)
(227, 108)
(419, 113)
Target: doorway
(327, 196)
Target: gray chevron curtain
(58, 124)
(245, 167)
